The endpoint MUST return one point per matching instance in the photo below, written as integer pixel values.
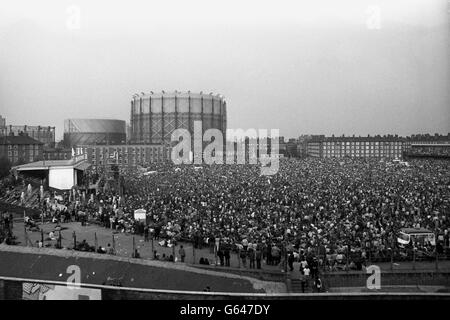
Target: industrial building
(124, 155)
(46, 135)
(20, 148)
(79, 132)
(356, 147)
(155, 116)
(57, 153)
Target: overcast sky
(306, 67)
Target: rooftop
(178, 94)
(46, 164)
(21, 139)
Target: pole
(347, 256)
(392, 255)
(25, 229)
(414, 257)
(173, 251)
(193, 251)
(215, 255)
(153, 247)
(239, 258)
(132, 255)
(285, 266)
(74, 240)
(435, 244)
(114, 244)
(42, 237)
(95, 237)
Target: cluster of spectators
(338, 211)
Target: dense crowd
(323, 208)
(317, 211)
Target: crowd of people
(337, 210)
(324, 212)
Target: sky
(304, 67)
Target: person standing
(243, 255)
(251, 256)
(220, 254)
(146, 233)
(182, 253)
(303, 282)
(258, 256)
(227, 255)
(307, 272)
(11, 221)
(291, 261)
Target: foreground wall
(24, 289)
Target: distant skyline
(305, 67)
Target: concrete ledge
(11, 288)
(162, 267)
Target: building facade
(429, 150)
(125, 155)
(390, 147)
(57, 153)
(424, 139)
(46, 135)
(155, 116)
(20, 149)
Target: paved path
(124, 247)
(123, 243)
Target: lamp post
(392, 253)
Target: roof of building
(430, 145)
(21, 139)
(47, 164)
(176, 93)
(428, 137)
(354, 138)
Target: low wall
(351, 278)
(264, 275)
(388, 278)
(13, 289)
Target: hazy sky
(319, 67)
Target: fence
(135, 245)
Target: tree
(5, 166)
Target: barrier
(18, 288)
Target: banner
(140, 214)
